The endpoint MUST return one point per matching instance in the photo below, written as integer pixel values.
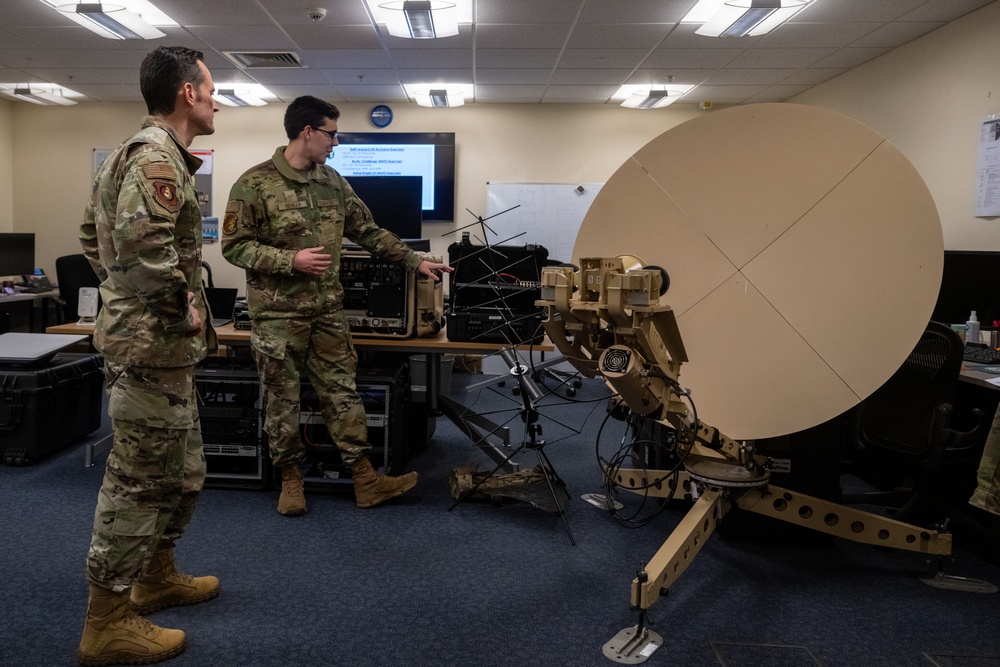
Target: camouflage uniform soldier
(987, 493)
(142, 234)
(284, 224)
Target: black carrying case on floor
(48, 407)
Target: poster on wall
(988, 168)
(203, 181)
(100, 154)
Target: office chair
(208, 275)
(906, 427)
(72, 273)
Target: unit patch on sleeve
(166, 195)
(229, 224)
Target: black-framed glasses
(332, 135)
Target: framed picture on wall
(100, 154)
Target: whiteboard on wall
(549, 214)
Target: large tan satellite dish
(804, 254)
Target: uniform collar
(315, 172)
(193, 163)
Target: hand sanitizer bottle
(972, 329)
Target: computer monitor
(17, 254)
(394, 202)
(970, 281)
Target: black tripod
(530, 395)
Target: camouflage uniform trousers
(155, 470)
(320, 349)
(987, 494)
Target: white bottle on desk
(972, 329)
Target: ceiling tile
(756, 58)
(544, 36)
(368, 76)
(530, 58)
(617, 36)
(333, 36)
(263, 38)
(288, 76)
(345, 58)
(512, 76)
(415, 59)
(580, 93)
(634, 11)
(748, 76)
(584, 76)
(490, 93)
(449, 75)
(528, 11)
(850, 57)
(695, 58)
(603, 58)
(214, 13)
(366, 93)
(814, 35)
(943, 10)
(895, 34)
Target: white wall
(532, 143)
(928, 97)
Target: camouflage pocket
(167, 403)
(135, 522)
(267, 344)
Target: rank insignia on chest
(166, 195)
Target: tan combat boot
(163, 586)
(113, 634)
(372, 488)
(292, 501)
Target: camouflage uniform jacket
(274, 211)
(142, 234)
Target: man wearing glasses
(285, 221)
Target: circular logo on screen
(381, 116)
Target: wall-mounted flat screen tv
(430, 155)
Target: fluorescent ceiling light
(651, 99)
(439, 94)
(241, 95)
(421, 19)
(122, 19)
(738, 18)
(43, 94)
(646, 96)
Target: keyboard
(980, 354)
(36, 290)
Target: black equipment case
(231, 416)
(48, 407)
(385, 394)
(493, 290)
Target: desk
(28, 296)
(433, 347)
(972, 375)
